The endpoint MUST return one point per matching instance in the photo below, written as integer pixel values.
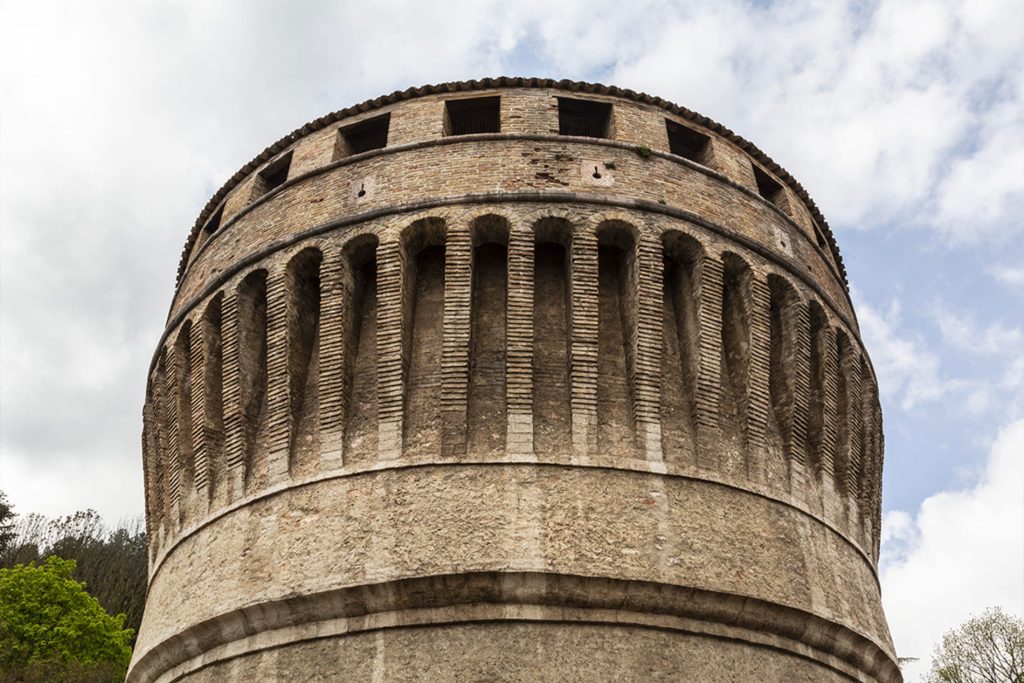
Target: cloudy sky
(904, 120)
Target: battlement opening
(213, 224)
(769, 188)
(471, 116)
(685, 142)
(585, 118)
(272, 176)
(363, 136)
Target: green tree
(985, 649)
(112, 563)
(6, 523)
(51, 629)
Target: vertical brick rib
(148, 471)
(519, 342)
(584, 342)
(335, 388)
(169, 441)
(870, 456)
(163, 453)
(799, 411)
(213, 401)
(878, 457)
(279, 413)
(758, 391)
(646, 339)
(851, 443)
(200, 362)
(234, 412)
(709, 360)
(458, 293)
(178, 389)
(830, 396)
(156, 487)
(181, 362)
(391, 365)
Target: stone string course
(600, 419)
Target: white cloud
(1012, 275)
(961, 552)
(885, 111)
(908, 372)
(911, 371)
(961, 330)
(985, 189)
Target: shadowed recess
(735, 358)
(551, 389)
(486, 415)
(423, 298)
(213, 470)
(303, 285)
(360, 330)
(617, 292)
(680, 349)
(252, 361)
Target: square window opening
(686, 142)
(584, 117)
(475, 115)
(213, 225)
(274, 174)
(768, 187)
(820, 237)
(363, 136)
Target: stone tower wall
(516, 404)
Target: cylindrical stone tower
(512, 379)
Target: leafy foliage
(985, 649)
(51, 629)
(6, 523)
(112, 564)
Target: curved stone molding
(563, 601)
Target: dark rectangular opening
(767, 186)
(275, 173)
(819, 236)
(214, 223)
(476, 115)
(365, 135)
(686, 142)
(584, 117)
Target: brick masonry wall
(489, 301)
